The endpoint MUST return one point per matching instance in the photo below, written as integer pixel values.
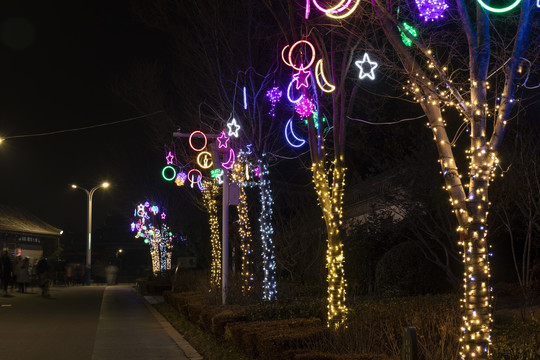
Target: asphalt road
(86, 322)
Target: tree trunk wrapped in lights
(267, 231)
(210, 194)
(330, 198)
(239, 175)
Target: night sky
(58, 64)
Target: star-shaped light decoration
(366, 62)
(163, 216)
(302, 78)
(169, 158)
(233, 128)
(223, 140)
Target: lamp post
(90, 194)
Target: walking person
(23, 274)
(44, 273)
(6, 270)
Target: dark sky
(58, 63)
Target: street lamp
(90, 194)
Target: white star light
(233, 128)
(372, 66)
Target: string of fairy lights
(210, 203)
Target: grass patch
(209, 346)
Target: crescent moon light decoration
(230, 162)
(294, 101)
(499, 10)
(297, 141)
(341, 10)
(319, 75)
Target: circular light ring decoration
(190, 178)
(499, 10)
(311, 61)
(168, 178)
(326, 87)
(191, 143)
(336, 11)
(206, 164)
(294, 101)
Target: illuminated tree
(149, 224)
(475, 64)
(227, 79)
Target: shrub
(271, 339)
(516, 341)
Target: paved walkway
(87, 322)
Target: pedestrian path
(87, 322)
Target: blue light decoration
(289, 95)
(245, 99)
(431, 9)
(291, 137)
(150, 225)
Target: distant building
(24, 234)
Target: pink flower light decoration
(305, 107)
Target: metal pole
(225, 241)
(89, 240)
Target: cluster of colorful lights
(210, 195)
(150, 226)
(431, 9)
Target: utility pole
(225, 213)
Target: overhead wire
(80, 128)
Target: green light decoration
(215, 173)
(167, 169)
(411, 30)
(499, 10)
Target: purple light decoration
(274, 95)
(257, 172)
(169, 158)
(223, 140)
(305, 107)
(163, 216)
(431, 9)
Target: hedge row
(286, 339)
